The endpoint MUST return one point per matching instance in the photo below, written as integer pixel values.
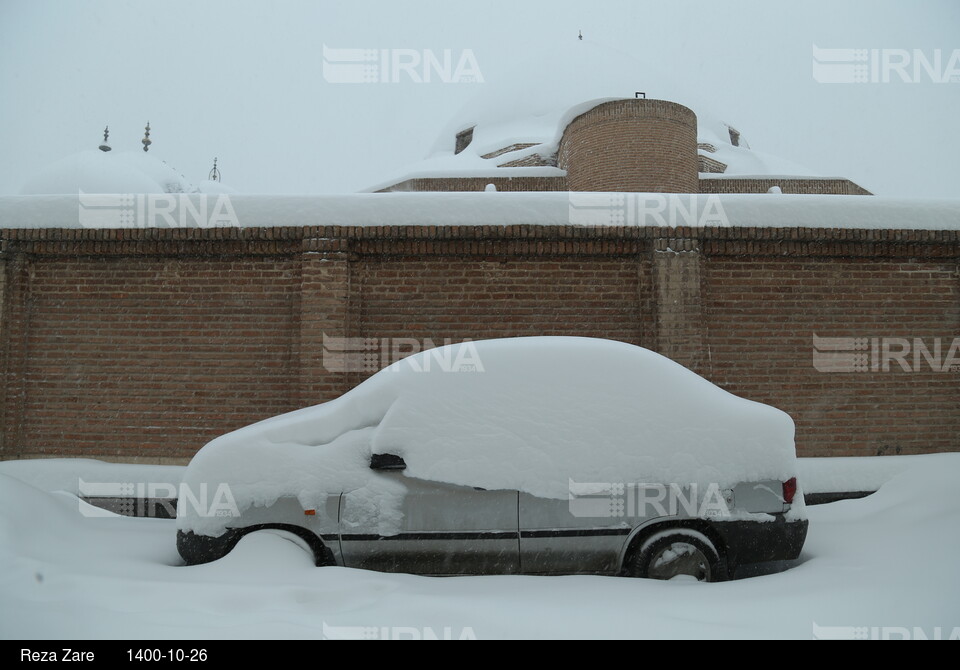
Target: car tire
(678, 552)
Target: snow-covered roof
(95, 171)
(573, 81)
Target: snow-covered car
(539, 455)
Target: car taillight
(789, 490)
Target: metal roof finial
(106, 133)
(215, 172)
(146, 137)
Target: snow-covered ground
(881, 566)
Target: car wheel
(678, 553)
(293, 538)
(319, 554)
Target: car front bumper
(196, 549)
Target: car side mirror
(387, 462)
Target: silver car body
(456, 530)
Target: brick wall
(143, 345)
(479, 184)
(812, 186)
(707, 165)
(145, 356)
(759, 314)
(448, 297)
(818, 186)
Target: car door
(583, 534)
(433, 529)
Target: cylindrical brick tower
(647, 146)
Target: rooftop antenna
(146, 137)
(106, 134)
(215, 172)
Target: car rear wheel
(678, 553)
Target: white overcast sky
(244, 81)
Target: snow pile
(214, 187)
(838, 474)
(69, 474)
(526, 414)
(94, 171)
(37, 526)
(744, 163)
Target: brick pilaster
(325, 313)
(679, 317)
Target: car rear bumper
(759, 541)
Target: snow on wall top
(480, 208)
(528, 414)
(569, 82)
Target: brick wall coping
(590, 210)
